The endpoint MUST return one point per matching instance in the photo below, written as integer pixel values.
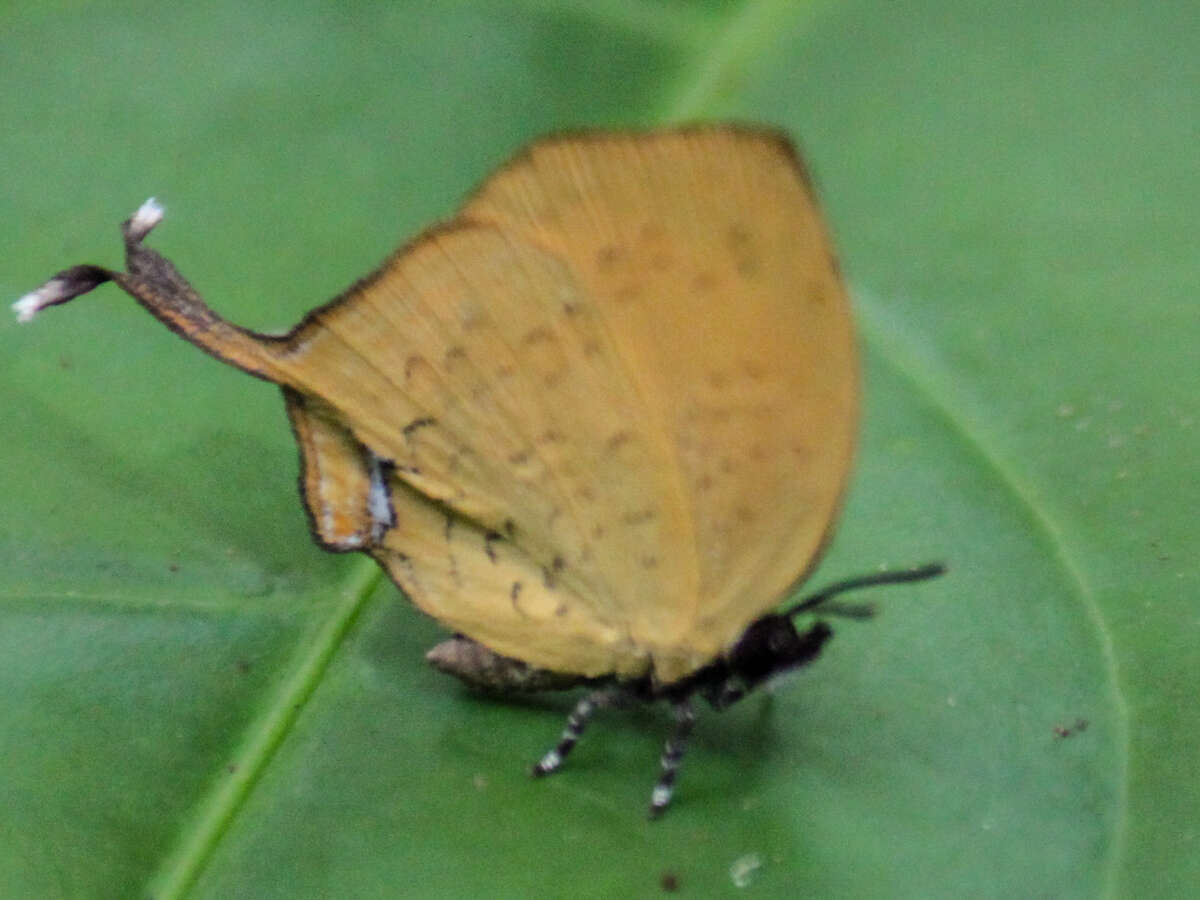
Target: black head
(772, 645)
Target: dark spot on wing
(417, 424)
(638, 516)
(617, 440)
(538, 335)
(414, 362)
(608, 256)
(550, 573)
(753, 370)
(489, 544)
(741, 247)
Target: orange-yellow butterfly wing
(457, 569)
(616, 399)
(527, 487)
(598, 422)
(707, 254)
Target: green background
(195, 700)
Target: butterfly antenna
(864, 610)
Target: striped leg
(577, 721)
(685, 718)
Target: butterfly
(598, 424)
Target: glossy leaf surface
(195, 700)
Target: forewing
(711, 269)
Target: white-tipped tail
(147, 216)
(53, 291)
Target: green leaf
(195, 700)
